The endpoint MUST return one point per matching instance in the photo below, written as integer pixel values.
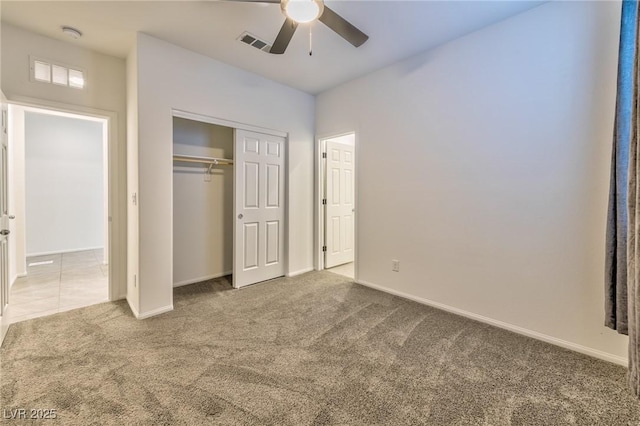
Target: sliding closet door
(259, 208)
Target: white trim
(47, 253)
(42, 106)
(319, 213)
(134, 311)
(5, 323)
(504, 325)
(149, 314)
(299, 272)
(200, 279)
(155, 312)
(105, 191)
(287, 205)
(227, 123)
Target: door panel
(273, 149)
(339, 212)
(347, 225)
(273, 245)
(251, 245)
(273, 185)
(251, 145)
(259, 208)
(251, 189)
(348, 187)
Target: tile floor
(67, 281)
(347, 270)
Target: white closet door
(259, 208)
(339, 237)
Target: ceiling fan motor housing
(302, 11)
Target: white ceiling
(397, 30)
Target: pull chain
(310, 41)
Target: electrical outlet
(395, 265)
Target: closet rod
(203, 160)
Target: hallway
(58, 283)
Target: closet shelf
(203, 160)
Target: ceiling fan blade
(284, 37)
(341, 26)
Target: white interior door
(259, 208)
(339, 213)
(4, 225)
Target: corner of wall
(133, 293)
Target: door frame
(251, 128)
(320, 179)
(5, 276)
(113, 195)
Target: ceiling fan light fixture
(302, 11)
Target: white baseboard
(5, 323)
(151, 313)
(48, 253)
(299, 272)
(154, 312)
(200, 279)
(500, 324)
(134, 311)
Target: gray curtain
(633, 250)
(622, 307)
(624, 131)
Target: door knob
(5, 232)
(240, 216)
(12, 217)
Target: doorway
(337, 189)
(58, 193)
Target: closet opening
(203, 188)
(229, 202)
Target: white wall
(64, 184)
(133, 297)
(483, 166)
(170, 77)
(202, 203)
(105, 91)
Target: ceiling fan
(304, 11)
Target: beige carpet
(311, 350)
